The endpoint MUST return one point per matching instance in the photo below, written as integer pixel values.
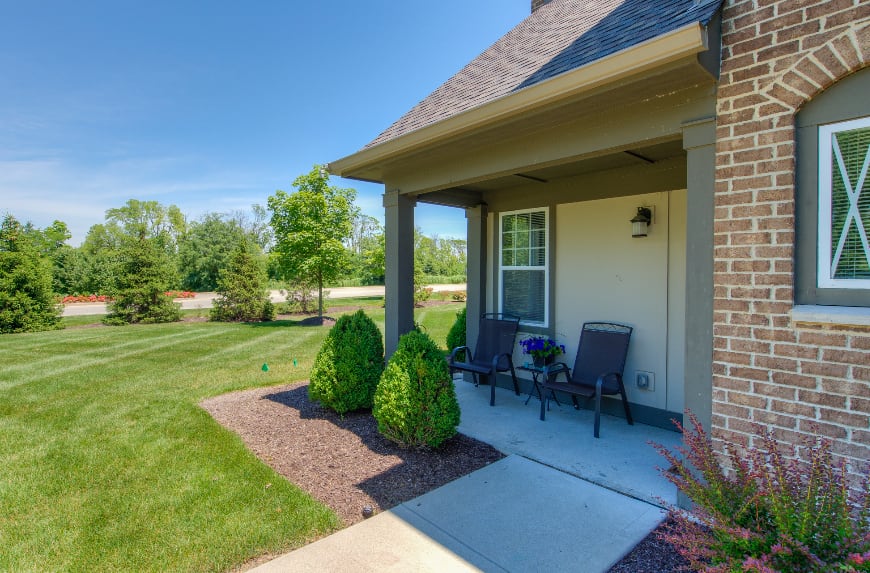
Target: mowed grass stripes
(107, 462)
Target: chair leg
(544, 403)
(514, 376)
(491, 379)
(625, 405)
(597, 414)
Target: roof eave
(672, 46)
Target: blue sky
(212, 106)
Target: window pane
(507, 258)
(538, 238)
(524, 295)
(508, 223)
(522, 258)
(850, 206)
(522, 240)
(507, 241)
(522, 222)
(538, 258)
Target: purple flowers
(541, 347)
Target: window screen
(524, 265)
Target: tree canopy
(311, 227)
(27, 301)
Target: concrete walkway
(513, 515)
(541, 508)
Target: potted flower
(543, 349)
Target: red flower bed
(70, 299)
(85, 298)
(180, 294)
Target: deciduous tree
(310, 227)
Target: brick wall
(795, 378)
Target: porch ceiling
(613, 160)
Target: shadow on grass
(418, 472)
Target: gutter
(672, 46)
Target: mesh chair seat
(493, 351)
(597, 370)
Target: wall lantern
(640, 222)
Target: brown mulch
(345, 463)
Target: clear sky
(213, 105)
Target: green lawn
(107, 463)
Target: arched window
(832, 218)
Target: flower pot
(541, 361)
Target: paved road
(204, 299)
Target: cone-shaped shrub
(349, 364)
(456, 336)
(415, 404)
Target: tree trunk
(320, 297)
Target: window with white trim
(832, 199)
(523, 267)
(844, 205)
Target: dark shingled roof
(559, 37)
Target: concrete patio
(621, 459)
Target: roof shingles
(561, 36)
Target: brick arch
(812, 74)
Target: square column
(475, 303)
(699, 141)
(399, 271)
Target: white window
(844, 205)
(523, 266)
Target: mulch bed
(345, 463)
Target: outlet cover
(645, 380)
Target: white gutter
(678, 44)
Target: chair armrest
(497, 358)
(457, 350)
(555, 369)
(600, 382)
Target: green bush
(768, 514)
(145, 275)
(242, 295)
(415, 404)
(456, 336)
(350, 362)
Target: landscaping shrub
(415, 404)
(242, 295)
(145, 272)
(350, 362)
(770, 514)
(456, 336)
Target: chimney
(537, 4)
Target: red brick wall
(795, 378)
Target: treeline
(313, 237)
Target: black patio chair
(493, 352)
(597, 370)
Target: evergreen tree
(27, 302)
(145, 273)
(242, 289)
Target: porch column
(699, 139)
(399, 271)
(476, 265)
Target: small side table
(536, 372)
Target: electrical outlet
(645, 380)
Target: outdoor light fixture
(640, 222)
